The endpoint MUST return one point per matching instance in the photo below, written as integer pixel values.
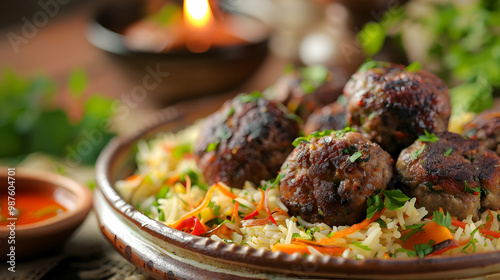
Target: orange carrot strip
(303, 249)
(481, 230)
(351, 229)
(204, 203)
(172, 180)
(235, 211)
(133, 177)
(188, 192)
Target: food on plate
(446, 171)
(332, 116)
(486, 127)
(237, 178)
(330, 175)
(392, 105)
(246, 140)
(305, 89)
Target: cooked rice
(156, 164)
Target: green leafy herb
(367, 66)
(372, 38)
(423, 249)
(181, 149)
(498, 217)
(359, 245)
(428, 137)
(77, 82)
(273, 184)
(319, 134)
(448, 152)
(472, 242)
(472, 190)
(161, 217)
(213, 146)
(394, 199)
(355, 156)
(294, 117)
(409, 253)
(230, 112)
(163, 192)
(381, 222)
(418, 152)
(252, 97)
(313, 77)
(441, 219)
(375, 204)
(414, 67)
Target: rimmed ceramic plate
(163, 252)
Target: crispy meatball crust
(332, 116)
(393, 107)
(254, 138)
(436, 175)
(322, 184)
(486, 127)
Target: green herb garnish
(448, 152)
(414, 67)
(423, 249)
(375, 204)
(252, 97)
(213, 146)
(355, 156)
(359, 245)
(441, 219)
(472, 190)
(394, 199)
(428, 137)
(418, 152)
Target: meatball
(486, 127)
(459, 175)
(246, 140)
(330, 178)
(332, 116)
(306, 89)
(392, 106)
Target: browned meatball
(246, 140)
(332, 116)
(330, 178)
(393, 107)
(454, 173)
(305, 89)
(486, 127)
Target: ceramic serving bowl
(163, 252)
(35, 238)
(189, 74)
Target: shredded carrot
(492, 115)
(205, 202)
(481, 230)
(487, 225)
(259, 206)
(235, 211)
(255, 222)
(133, 177)
(188, 192)
(304, 249)
(352, 229)
(172, 180)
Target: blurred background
(77, 72)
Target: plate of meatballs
(322, 176)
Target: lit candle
(200, 25)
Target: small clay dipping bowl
(28, 236)
(189, 74)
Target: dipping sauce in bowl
(33, 205)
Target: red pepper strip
(191, 225)
(267, 208)
(481, 230)
(256, 222)
(444, 246)
(256, 212)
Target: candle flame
(197, 13)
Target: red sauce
(33, 205)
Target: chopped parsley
(448, 152)
(414, 229)
(230, 112)
(394, 199)
(252, 97)
(313, 77)
(319, 134)
(418, 152)
(409, 253)
(414, 67)
(273, 184)
(442, 219)
(428, 137)
(375, 204)
(355, 156)
(180, 150)
(213, 146)
(381, 222)
(359, 245)
(472, 242)
(472, 190)
(423, 249)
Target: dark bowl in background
(190, 74)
